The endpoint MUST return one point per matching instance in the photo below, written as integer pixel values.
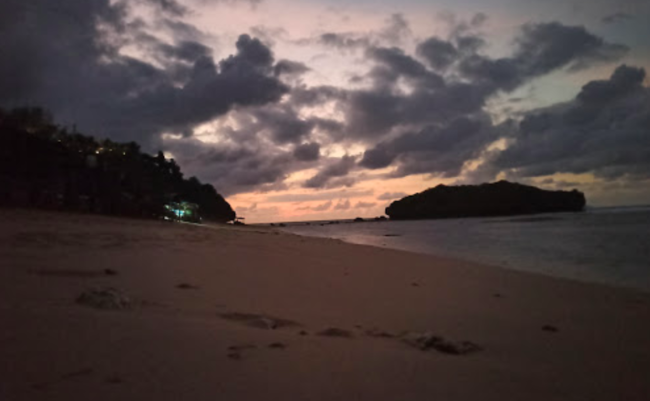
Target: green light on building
(183, 211)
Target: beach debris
(110, 272)
(234, 356)
(427, 340)
(335, 332)
(303, 333)
(186, 286)
(392, 235)
(497, 295)
(105, 298)
(550, 329)
(265, 322)
(277, 345)
(414, 284)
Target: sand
(228, 313)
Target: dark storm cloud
(288, 67)
(282, 124)
(540, 49)
(188, 51)
(65, 56)
(440, 151)
(233, 168)
(278, 123)
(438, 53)
(605, 130)
(181, 30)
(440, 124)
(307, 152)
(398, 64)
(334, 170)
(385, 108)
(418, 114)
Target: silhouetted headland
(501, 198)
(45, 166)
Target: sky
(317, 110)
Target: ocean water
(607, 245)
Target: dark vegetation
(501, 198)
(43, 165)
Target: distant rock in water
(501, 198)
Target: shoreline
(605, 255)
(244, 313)
(452, 260)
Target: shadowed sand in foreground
(104, 309)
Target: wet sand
(249, 313)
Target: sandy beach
(246, 313)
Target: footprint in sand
(186, 286)
(426, 341)
(335, 332)
(259, 321)
(550, 329)
(378, 333)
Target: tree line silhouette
(43, 165)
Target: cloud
(318, 196)
(438, 53)
(84, 78)
(232, 167)
(172, 7)
(343, 41)
(420, 108)
(386, 109)
(364, 205)
(603, 131)
(307, 151)
(337, 168)
(322, 207)
(395, 32)
(391, 196)
(441, 151)
(342, 205)
(397, 29)
(437, 128)
(288, 67)
(540, 49)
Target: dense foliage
(498, 199)
(43, 165)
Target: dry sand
(235, 314)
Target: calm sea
(608, 245)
